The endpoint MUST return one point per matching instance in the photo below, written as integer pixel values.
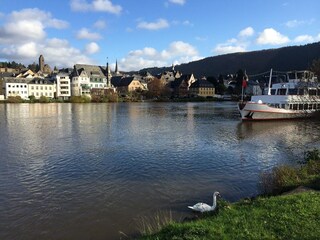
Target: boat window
(276, 105)
(293, 91)
(292, 75)
(273, 91)
(282, 91)
(300, 91)
(300, 106)
(318, 92)
(295, 106)
(305, 106)
(312, 92)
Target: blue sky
(148, 33)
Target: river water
(91, 171)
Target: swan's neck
(214, 201)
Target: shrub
(80, 99)
(44, 99)
(283, 178)
(16, 99)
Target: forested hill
(281, 59)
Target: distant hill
(280, 59)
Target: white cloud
(28, 50)
(95, 6)
(178, 52)
(159, 24)
(147, 51)
(23, 38)
(85, 34)
(297, 23)
(221, 49)
(304, 39)
(92, 48)
(180, 2)
(100, 24)
(28, 25)
(234, 45)
(22, 30)
(271, 36)
(247, 32)
(179, 48)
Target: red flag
(244, 83)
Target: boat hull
(251, 111)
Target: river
(92, 171)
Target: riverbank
(294, 216)
(284, 212)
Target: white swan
(203, 207)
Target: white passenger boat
(299, 97)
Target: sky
(149, 33)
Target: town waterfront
(89, 171)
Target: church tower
(108, 74)
(41, 63)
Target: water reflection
(91, 170)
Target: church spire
(116, 70)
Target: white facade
(81, 84)
(41, 87)
(63, 85)
(16, 87)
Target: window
(32, 87)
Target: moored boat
(298, 97)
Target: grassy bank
(295, 216)
(270, 216)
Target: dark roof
(202, 83)
(6, 74)
(90, 69)
(177, 82)
(125, 81)
(115, 81)
(41, 81)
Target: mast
(269, 86)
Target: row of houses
(96, 80)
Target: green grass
(295, 216)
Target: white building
(80, 84)
(16, 87)
(63, 85)
(41, 87)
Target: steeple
(108, 73)
(116, 68)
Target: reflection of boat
(299, 97)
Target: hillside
(281, 59)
